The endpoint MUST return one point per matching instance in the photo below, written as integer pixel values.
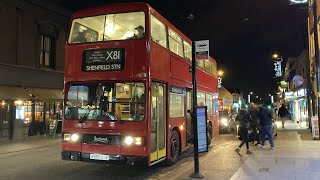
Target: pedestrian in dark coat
(283, 113)
(244, 120)
(265, 116)
(255, 124)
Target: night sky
(243, 34)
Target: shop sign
(301, 92)
(289, 95)
(298, 80)
(278, 68)
(227, 101)
(315, 127)
(283, 84)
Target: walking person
(255, 123)
(266, 125)
(244, 120)
(283, 114)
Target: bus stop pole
(196, 173)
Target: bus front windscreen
(106, 101)
(108, 27)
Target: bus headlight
(129, 140)
(71, 137)
(74, 137)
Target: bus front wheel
(174, 148)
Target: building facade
(225, 99)
(31, 66)
(296, 92)
(312, 28)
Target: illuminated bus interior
(106, 101)
(108, 27)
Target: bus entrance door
(158, 122)
(189, 117)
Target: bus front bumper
(112, 159)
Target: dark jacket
(244, 118)
(283, 112)
(254, 116)
(265, 117)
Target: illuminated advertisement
(291, 2)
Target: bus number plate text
(100, 157)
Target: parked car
(226, 122)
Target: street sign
(202, 49)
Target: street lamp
(277, 57)
(220, 73)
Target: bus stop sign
(202, 49)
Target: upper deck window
(158, 32)
(108, 27)
(208, 66)
(175, 43)
(187, 50)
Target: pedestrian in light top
(244, 120)
(266, 125)
(255, 124)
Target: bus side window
(158, 31)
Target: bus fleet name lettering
(103, 67)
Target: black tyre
(209, 133)
(174, 148)
(141, 164)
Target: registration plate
(100, 157)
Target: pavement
(34, 142)
(296, 156)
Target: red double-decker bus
(128, 87)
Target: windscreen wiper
(85, 116)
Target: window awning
(46, 95)
(13, 92)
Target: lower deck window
(176, 105)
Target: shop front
(27, 111)
(298, 106)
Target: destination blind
(103, 60)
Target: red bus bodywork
(145, 61)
